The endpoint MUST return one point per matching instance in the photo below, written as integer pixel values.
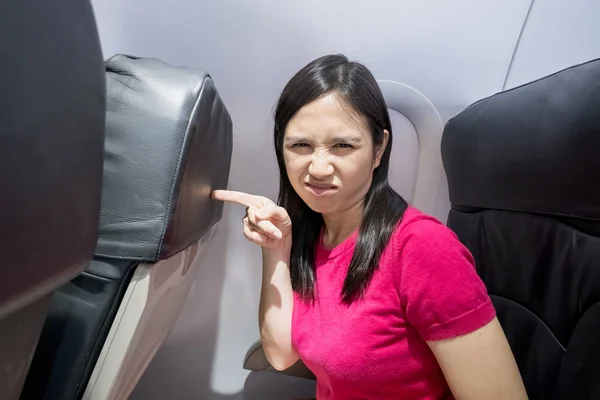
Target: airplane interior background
(433, 57)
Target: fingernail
(277, 234)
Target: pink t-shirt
(426, 289)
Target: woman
(379, 300)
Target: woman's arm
(448, 304)
(270, 227)
(480, 365)
(275, 310)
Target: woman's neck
(339, 226)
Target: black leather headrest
(168, 144)
(52, 110)
(534, 148)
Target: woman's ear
(381, 149)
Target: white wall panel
(558, 34)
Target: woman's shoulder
(436, 277)
(419, 233)
(417, 225)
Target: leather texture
(523, 168)
(533, 148)
(168, 144)
(52, 119)
(78, 323)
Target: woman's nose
(320, 167)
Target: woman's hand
(265, 223)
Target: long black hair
(383, 207)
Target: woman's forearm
(275, 310)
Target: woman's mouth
(321, 190)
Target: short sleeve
(441, 293)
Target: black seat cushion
(523, 168)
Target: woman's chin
(320, 207)
(320, 204)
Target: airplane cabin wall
(557, 35)
(454, 52)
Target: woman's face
(328, 153)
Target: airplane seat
(168, 145)
(52, 114)
(415, 172)
(523, 170)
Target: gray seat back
(168, 145)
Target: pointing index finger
(232, 196)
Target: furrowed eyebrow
(295, 139)
(337, 139)
(346, 139)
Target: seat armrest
(256, 360)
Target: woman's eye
(344, 145)
(300, 145)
